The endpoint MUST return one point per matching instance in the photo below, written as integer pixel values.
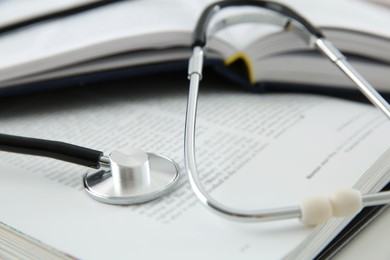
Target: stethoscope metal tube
(366, 88)
(313, 210)
(131, 176)
(287, 17)
(195, 75)
(189, 157)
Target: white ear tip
(315, 210)
(346, 202)
(319, 209)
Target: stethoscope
(130, 176)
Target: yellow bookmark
(243, 57)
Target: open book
(121, 38)
(254, 151)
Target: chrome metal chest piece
(132, 177)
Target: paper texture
(149, 25)
(16, 11)
(370, 237)
(254, 151)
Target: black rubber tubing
(199, 36)
(51, 149)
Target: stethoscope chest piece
(132, 177)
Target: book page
(116, 28)
(355, 15)
(385, 3)
(355, 27)
(129, 26)
(16, 11)
(253, 152)
(369, 237)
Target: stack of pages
(253, 151)
(127, 35)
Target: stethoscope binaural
(314, 209)
(130, 176)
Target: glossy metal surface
(235, 214)
(340, 60)
(195, 75)
(375, 199)
(141, 179)
(193, 176)
(326, 47)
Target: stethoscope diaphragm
(133, 177)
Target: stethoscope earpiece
(132, 177)
(315, 209)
